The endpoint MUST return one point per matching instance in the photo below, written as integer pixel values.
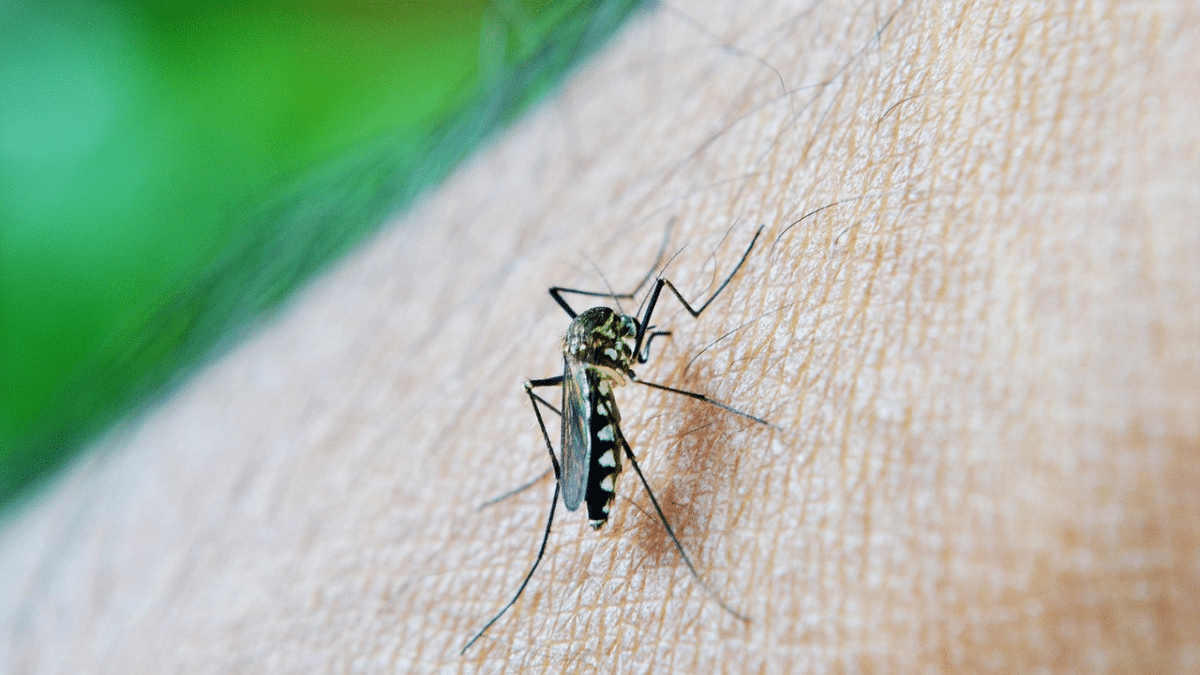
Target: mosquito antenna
(611, 293)
(646, 279)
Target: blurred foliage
(169, 174)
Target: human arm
(972, 322)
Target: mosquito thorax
(600, 337)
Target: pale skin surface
(983, 367)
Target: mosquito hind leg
(662, 517)
(534, 399)
(525, 582)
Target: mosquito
(597, 357)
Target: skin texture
(972, 322)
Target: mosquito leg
(702, 397)
(525, 582)
(555, 381)
(671, 532)
(548, 382)
(645, 320)
(545, 402)
(533, 400)
(544, 382)
(645, 355)
(517, 491)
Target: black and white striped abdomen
(605, 461)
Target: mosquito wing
(576, 436)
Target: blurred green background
(169, 173)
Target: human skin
(972, 321)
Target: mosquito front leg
(644, 322)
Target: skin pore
(972, 322)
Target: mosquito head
(601, 338)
